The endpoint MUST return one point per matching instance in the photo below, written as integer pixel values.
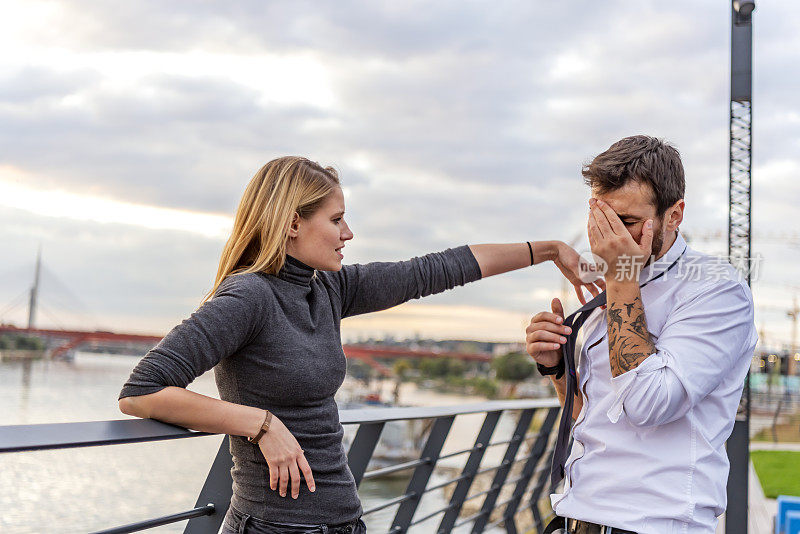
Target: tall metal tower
(739, 219)
(35, 291)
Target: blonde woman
(270, 329)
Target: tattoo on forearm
(629, 342)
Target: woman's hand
(285, 459)
(567, 261)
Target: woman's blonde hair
(281, 188)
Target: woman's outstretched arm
(380, 285)
(501, 258)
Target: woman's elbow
(133, 406)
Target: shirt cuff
(623, 383)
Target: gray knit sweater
(274, 342)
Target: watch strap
(557, 370)
(263, 430)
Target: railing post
(541, 482)
(362, 448)
(501, 474)
(537, 450)
(217, 490)
(419, 480)
(468, 473)
(739, 458)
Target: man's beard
(658, 240)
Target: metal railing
(519, 479)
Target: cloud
(449, 122)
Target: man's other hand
(546, 334)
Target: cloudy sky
(128, 131)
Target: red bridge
(68, 340)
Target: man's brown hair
(644, 159)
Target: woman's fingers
(593, 290)
(302, 463)
(273, 476)
(283, 481)
(294, 473)
(579, 292)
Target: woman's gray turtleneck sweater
(274, 343)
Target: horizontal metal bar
(484, 492)
(166, 520)
(469, 519)
(514, 480)
(371, 415)
(544, 466)
(504, 442)
(495, 523)
(526, 437)
(392, 502)
(459, 453)
(17, 438)
(394, 468)
(443, 484)
(520, 460)
(493, 468)
(505, 502)
(431, 515)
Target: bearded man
(660, 372)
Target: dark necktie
(575, 322)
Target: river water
(82, 490)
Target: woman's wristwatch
(557, 369)
(263, 429)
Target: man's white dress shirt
(649, 445)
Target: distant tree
(514, 366)
(456, 367)
(485, 386)
(20, 342)
(401, 368)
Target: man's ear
(674, 216)
(294, 225)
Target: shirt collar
(296, 272)
(658, 266)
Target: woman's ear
(675, 215)
(294, 225)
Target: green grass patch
(778, 471)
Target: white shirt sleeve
(700, 342)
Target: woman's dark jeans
(238, 523)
